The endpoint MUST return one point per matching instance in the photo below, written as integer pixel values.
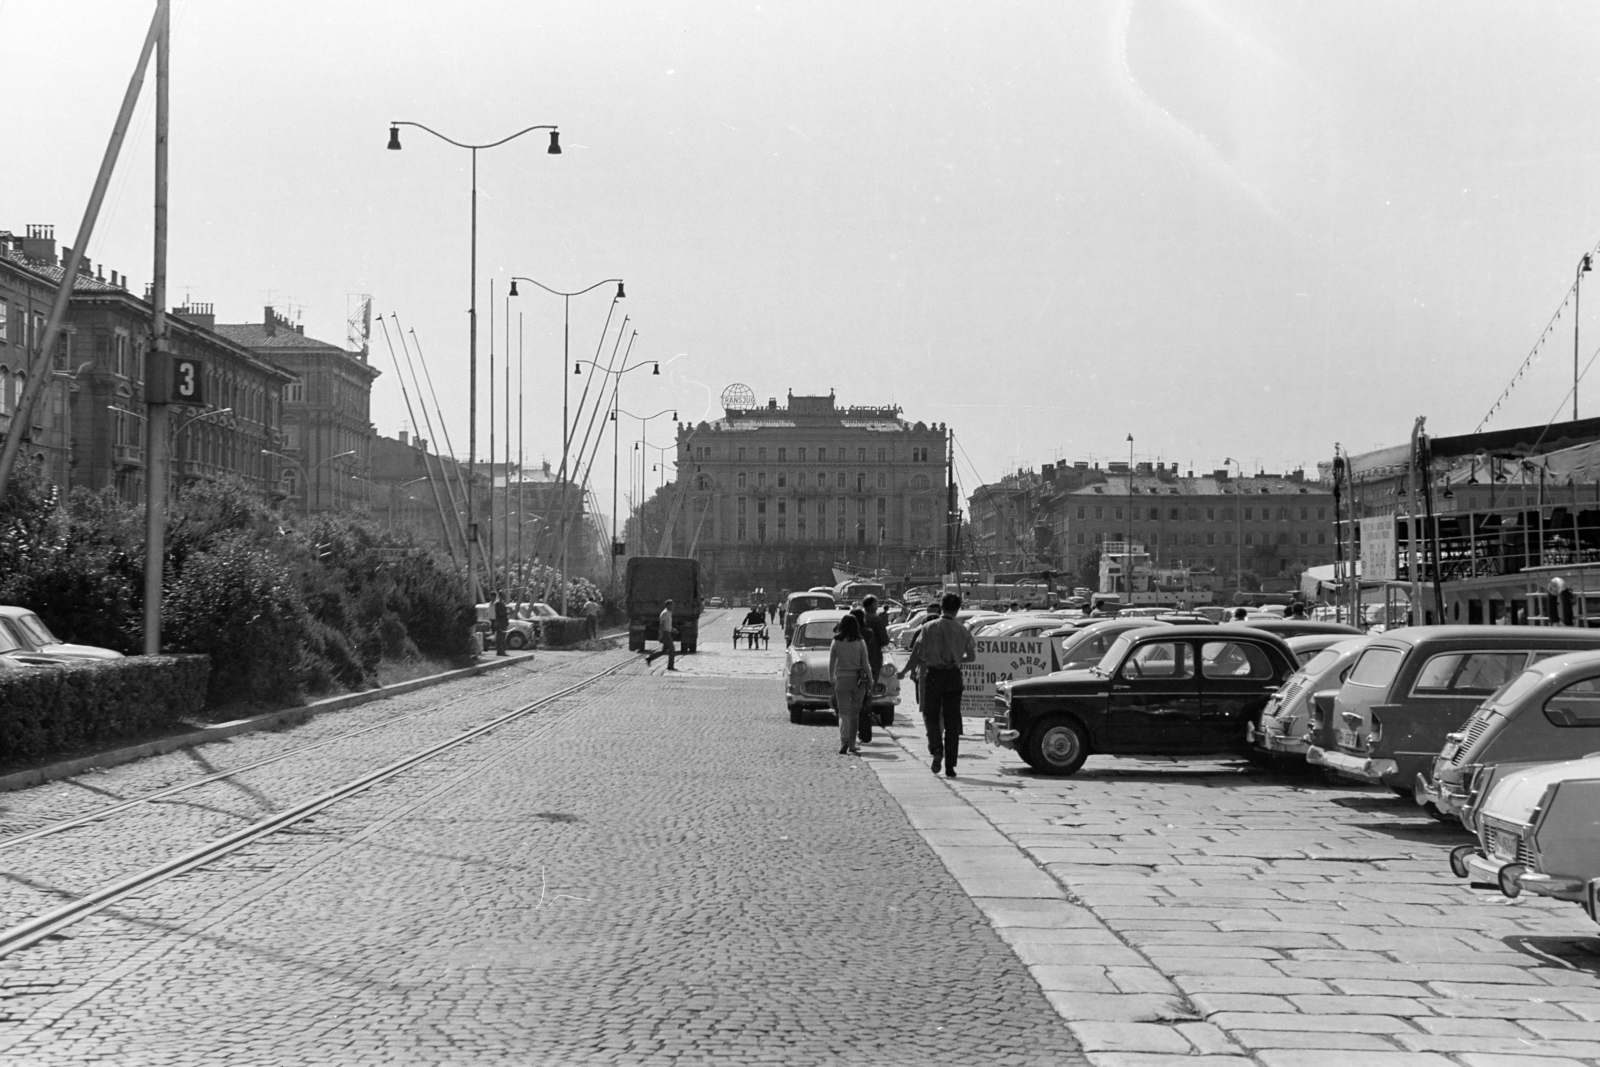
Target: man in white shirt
(667, 632)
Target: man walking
(591, 612)
(667, 632)
(502, 623)
(875, 632)
(942, 646)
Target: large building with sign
(773, 497)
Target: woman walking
(852, 679)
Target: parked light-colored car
(1287, 721)
(30, 634)
(1537, 832)
(807, 685)
(1548, 713)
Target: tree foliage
(282, 605)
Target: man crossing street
(942, 646)
(667, 633)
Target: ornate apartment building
(325, 461)
(88, 428)
(773, 496)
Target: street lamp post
(304, 474)
(640, 447)
(1238, 527)
(566, 354)
(472, 301)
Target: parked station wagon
(1537, 831)
(1158, 690)
(1548, 713)
(1412, 687)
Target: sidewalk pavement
(1196, 913)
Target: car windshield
(1320, 661)
(815, 634)
(34, 628)
(8, 640)
(1114, 654)
(801, 604)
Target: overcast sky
(1229, 229)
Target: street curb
(218, 731)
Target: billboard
(1000, 659)
(1378, 548)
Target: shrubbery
(281, 605)
(50, 710)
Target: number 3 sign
(188, 381)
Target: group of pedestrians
(855, 659)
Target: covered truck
(652, 581)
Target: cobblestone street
(663, 871)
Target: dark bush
(564, 633)
(48, 711)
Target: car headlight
(888, 671)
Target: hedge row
(564, 633)
(49, 711)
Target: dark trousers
(500, 642)
(665, 649)
(941, 714)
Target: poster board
(1000, 659)
(1378, 548)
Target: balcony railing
(127, 455)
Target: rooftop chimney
(405, 438)
(199, 314)
(40, 243)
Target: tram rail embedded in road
(32, 931)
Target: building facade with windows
(1058, 517)
(772, 497)
(89, 426)
(325, 461)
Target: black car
(1161, 690)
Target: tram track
(48, 924)
(107, 811)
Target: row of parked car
(26, 642)
(1498, 727)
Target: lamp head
(394, 138)
(577, 368)
(555, 143)
(513, 291)
(674, 416)
(657, 370)
(613, 415)
(620, 294)
(1585, 263)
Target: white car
(806, 683)
(29, 633)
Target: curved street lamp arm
(646, 418)
(618, 370)
(558, 292)
(460, 144)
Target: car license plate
(1345, 738)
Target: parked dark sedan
(1160, 690)
(1287, 628)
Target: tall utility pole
(952, 524)
(156, 372)
(40, 370)
(1577, 285)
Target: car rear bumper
(1376, 771)
(1269, 740)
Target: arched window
(919, 482)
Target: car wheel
(1057, 746)
(796, 713)
(516, 640)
